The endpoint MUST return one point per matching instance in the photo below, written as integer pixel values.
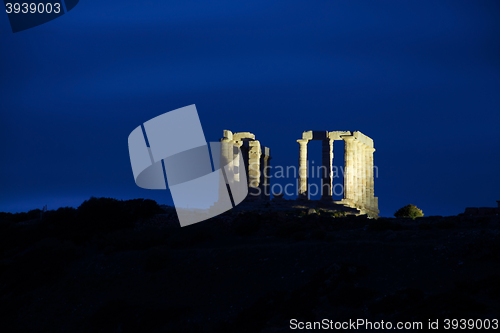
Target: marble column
(348, 168)
(357, 173)
(371, 204)
(361, 177)
(225, 154)
(236, 163)
(224, 160)
(254, 154)
(326, 169)
(302, 168)
(264, 173)
(268, 175)
(367, 177)
(362, 171)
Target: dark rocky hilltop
(126, 266)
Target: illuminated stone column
(367, 177)
(326, 169)
(357, 172)
(226, 145)
(361, 171)
(348, 168)
(363, 175)
(236, 163)
(302, 168)
(254, 154)
(265, 161)
(371, 183)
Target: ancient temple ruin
(257, 160)
(358, 169)
(358, 187)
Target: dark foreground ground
(243, 272)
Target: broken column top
(228, 135)
(363, 138)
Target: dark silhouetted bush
(59, 218)
(21, 217)
(101, 215)
(409, 211)
(142, 208)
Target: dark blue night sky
(420, 78)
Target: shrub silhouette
(409, 211)
(60, 217)
(102, 215)
(21, 217)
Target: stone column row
(255, 161)
(326, 169)
(358, 168)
